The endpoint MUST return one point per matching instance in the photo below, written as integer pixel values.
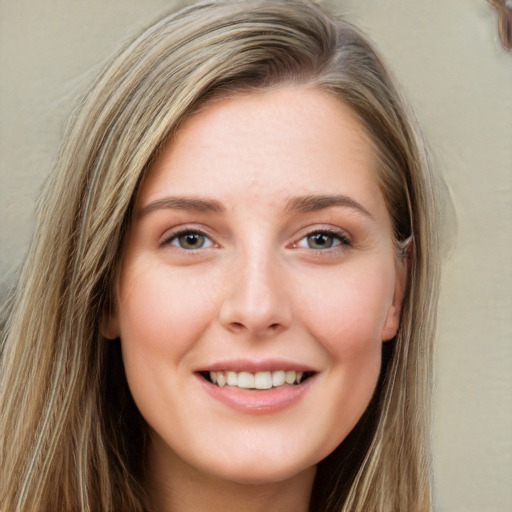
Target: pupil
(191, 240)
(320, 241)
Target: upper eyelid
(173, 233)
(181, 229)
(343, 240)
(329, 229)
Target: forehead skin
(228, 122)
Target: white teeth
(278, 378)
(221, 380)
(263, 380)
(259, 380)
(245, 380)
(232, 378)
(290, 377)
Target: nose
(257, 298)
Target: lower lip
(258, 401)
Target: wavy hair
(71, 437)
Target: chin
(259, 468)
(263, 475)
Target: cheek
(162, 313)
(345, 312)
(349, 307)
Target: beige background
(447, 55)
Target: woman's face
(258, 284)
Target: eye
(321, 240)
(189, 240)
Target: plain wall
(447, 55)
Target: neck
(184, 489)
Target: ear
(109, 326)
(402, 265)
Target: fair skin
(261, 244)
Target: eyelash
(187, 232)
(338, 238)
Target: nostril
(240, 326)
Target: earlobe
(402, 265)
(109, 327)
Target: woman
(243, 209)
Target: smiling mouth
(257, 381)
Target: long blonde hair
(71, 437)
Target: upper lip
(253, 366)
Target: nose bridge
(257, 300)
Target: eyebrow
(184, 203)
(313, 203)
(302, 204)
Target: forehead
(286, 142)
